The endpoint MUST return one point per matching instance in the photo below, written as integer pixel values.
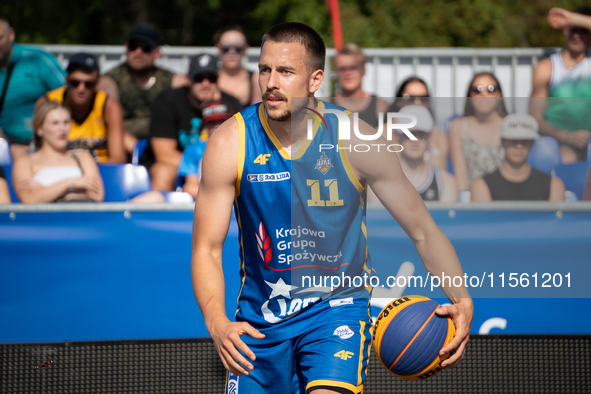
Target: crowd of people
(60, 123)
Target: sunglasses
(74, 83)
(478, 90)
(146, 47)
(236, 48)
(410, 99)
(200, 78)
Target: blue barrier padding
(126, 275)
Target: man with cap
(515, 179)
(432, 183)
(25, 74)
(138, 81)
(97, 120)
(176, 120)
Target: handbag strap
(6, 82)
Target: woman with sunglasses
(232, 77)
(53, 173)
(97, 119)
(414, 91)
(475, 138)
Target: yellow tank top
(89, 133)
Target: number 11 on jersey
(333, 192)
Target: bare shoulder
(455, 127)
(541, 76)
(221, 153)
(382, 105)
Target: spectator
(4, 192)
(234, 79)
(432, 183)
(97, 121)
(587, 189)
(564, 75)
(176, 120)
(350, 69)
(25, 74)
(515, 179)
(413, 90)
(214, 114)
(52, 173)
(475, 138)
(137, 82)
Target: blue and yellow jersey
(301, 219)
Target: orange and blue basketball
(408, 336)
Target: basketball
(408, 336)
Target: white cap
(424, 118)
(519, 127)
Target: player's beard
(283, 117)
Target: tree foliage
(370, 23)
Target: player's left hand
(461, 313)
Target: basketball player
(295, 217)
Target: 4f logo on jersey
(262, 159)
(343, 355)
(264, 244)
(323, 164)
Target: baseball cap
(215, 111)
(84, 61)
(519, 127)
(202, 64)
(144, 32)
(424, 118)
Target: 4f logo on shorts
(262, 159)
(344, 355)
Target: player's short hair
(39, 118)
(352, 50)
(218, 34)
(303, 34)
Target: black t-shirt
(2, 175)
(536, 187)
(174, 117)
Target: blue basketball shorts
(332, 356)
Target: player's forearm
(209, 287)
(440, 258)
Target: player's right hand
(226, 337)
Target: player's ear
(315, 80)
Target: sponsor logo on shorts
(344, 332)
(342, 301)
(280, 176)
(232, 383)
(343, 355)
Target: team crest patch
(323, 164)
